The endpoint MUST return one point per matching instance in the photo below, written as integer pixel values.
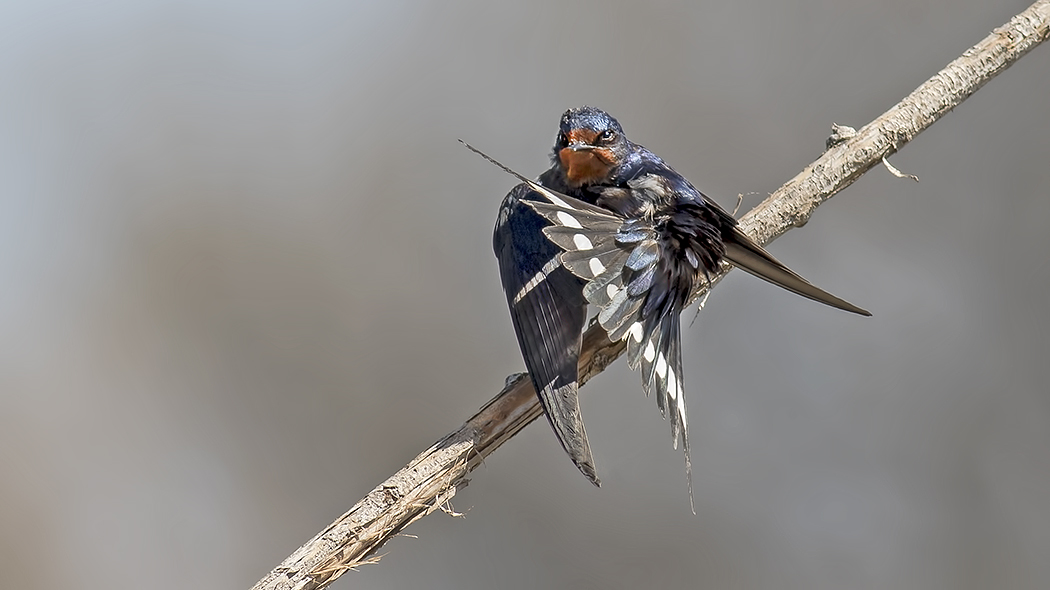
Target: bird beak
(580, 147)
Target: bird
(612, 225)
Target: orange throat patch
(583, 167)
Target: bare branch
(432, 478)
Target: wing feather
(548, 311)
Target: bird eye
(607, 136)
(562, 140)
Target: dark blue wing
(548, 311)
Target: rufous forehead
(585, 136)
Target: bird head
(589, 148)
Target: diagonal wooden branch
(433, 477)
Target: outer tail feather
(660, 361)
(749, 256)
(675, 385)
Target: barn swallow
(613, 225)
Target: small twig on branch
(431, 479)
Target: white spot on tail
(661, 366)
(611, 290)
(681, 412)
(672, 385)
(636, 331)
(650, 353)
(597, 267)
(568, 220)
(582, 242)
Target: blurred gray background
(247, 275)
